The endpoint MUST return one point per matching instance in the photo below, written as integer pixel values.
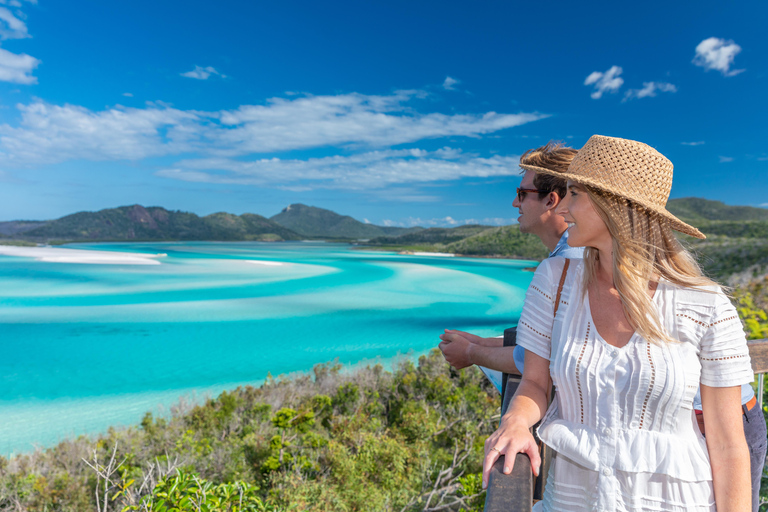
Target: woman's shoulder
(552, 268)
(707, 301)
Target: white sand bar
(265, 262)
(60, 255)
(440, 254)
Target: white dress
(622, 423)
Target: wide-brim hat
(628, 169)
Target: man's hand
(456, 347)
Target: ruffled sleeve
(534, 330)
(724, 354)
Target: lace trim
(693, 319)
(578, 371)
(734, 317)
(541, 292)
(534, 330)
(650, 387)
(724, 320)
(723, 358)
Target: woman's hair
(644, 247)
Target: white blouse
(622, 424)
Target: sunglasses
(522, 191)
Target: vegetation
(429, 236)
(696, 210)
(313, 222)
(154, 223)
(409, 439)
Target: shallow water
(92, 345)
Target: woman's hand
(511, 438)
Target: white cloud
(128, 94)
(725, 159)
(16, 68)
(11, 27)
(718, 54)
(49, 133)
(696, 143)
(649, 90)
(364, 171)
(448, 83)
(609, 81)
(446, 222)
(202, 73)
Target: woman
(637, 330)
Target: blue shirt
(563, 249)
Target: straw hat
(628, 169)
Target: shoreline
(160, 404)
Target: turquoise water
(87, 346)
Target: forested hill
(154, 223)
(695, 210)
(316, 222)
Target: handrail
(514, 492)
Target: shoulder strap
(560, 286)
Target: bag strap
(560, 286)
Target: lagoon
(96, 338)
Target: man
(537, 199)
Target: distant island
(735, 251)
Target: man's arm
(462, 349)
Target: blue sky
(400, 113)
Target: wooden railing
(516, 492)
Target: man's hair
(554, 156)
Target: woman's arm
(727, 447)
(528, 406)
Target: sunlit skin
(726, 445)
(538, 217)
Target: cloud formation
(725, 159)
(610, 81)
(718, 54)
(363, 171)
(202, 73)
(649, 90)
(50, 133)
(448, 83)
(17, 68)
(448, 222)
(696, 143)
(11, 27)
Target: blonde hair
(644, 248)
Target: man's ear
(553, 200)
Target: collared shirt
(563, 249)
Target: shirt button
(606, 472)
(608, 431)
(615, 353)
